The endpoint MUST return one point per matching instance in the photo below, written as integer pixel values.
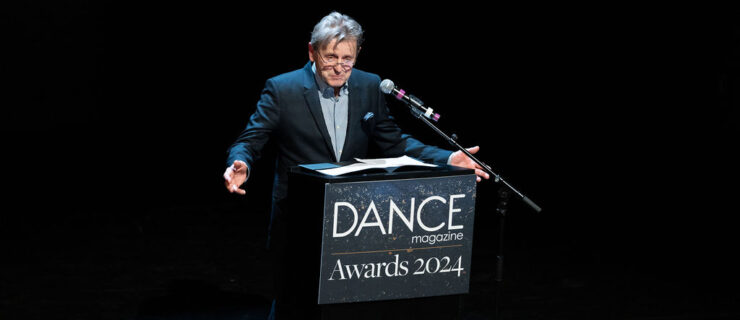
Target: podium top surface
(409, 172)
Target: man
(319, 114)
(325, 112)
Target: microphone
(388, 87)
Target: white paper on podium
(383, 163)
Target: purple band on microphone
(400, 94)
(435, 117)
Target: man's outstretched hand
(460, 159)
(235, 175)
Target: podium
(375, 244)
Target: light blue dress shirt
(335, 110)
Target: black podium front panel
(396, 239)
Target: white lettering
(434, 238)
(453, 210)
(418, 214)
(356, 270)
(408, 222)
(369, 271)
(395, 268)
(370, 224)
(337, 268)
(336, 213)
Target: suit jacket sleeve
(263, 122)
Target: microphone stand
(504, 193)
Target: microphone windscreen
(387, 86)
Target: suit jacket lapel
(352, 110)
(311, 94)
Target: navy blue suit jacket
(289, 114)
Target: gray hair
(335, 26)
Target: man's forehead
(345, 44)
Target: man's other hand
(235, 175)
(460, 159)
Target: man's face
(334, 63)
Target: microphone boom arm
(502, 193)
(452, 140)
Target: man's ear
(310, 52)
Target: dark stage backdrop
(621, 122)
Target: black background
(620, 121)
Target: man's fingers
(234, 176)
(239, 166)
(474, 149)
(481, 173)
(234, 188)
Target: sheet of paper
(365, 164)
(396, 162)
